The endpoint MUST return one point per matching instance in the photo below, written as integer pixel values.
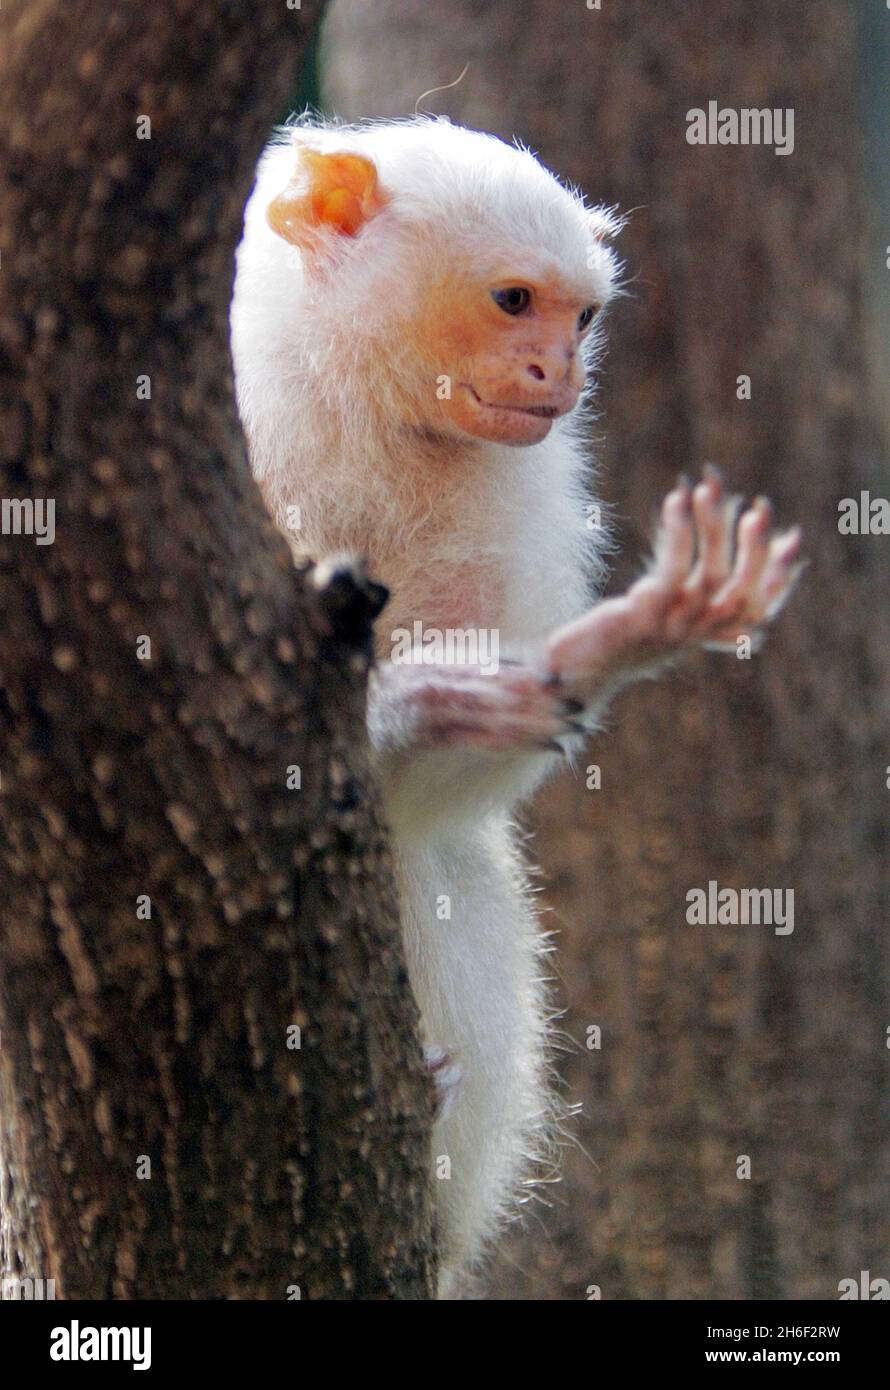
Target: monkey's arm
(452, 741)
(448, 736)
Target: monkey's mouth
(540, 412)
(544, 412)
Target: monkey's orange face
(511, 355)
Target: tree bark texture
(165, 672)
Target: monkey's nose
(555, 366)
(552, 367)
(558, 369)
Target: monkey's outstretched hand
(713, 580)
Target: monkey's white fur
(466, 534)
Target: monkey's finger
(783, 568)
(726, 542)
(709, 510)
(675, 543)
(752, 553)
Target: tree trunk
(177, 916)
(717, 1041)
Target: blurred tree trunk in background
(174, 903)
(717, 1041)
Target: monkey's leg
(711, 583)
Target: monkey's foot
(514, 707)
(711, 582)
(445, 1076)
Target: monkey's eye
(586, 317)
(512, 301)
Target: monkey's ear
(329, 192)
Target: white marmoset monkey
(416, 316)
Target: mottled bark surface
(717, 1041)
(129, 776)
